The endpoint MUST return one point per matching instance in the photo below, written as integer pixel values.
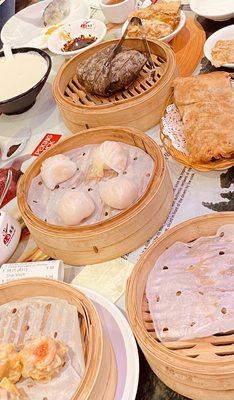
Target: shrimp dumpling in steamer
(119, 192)
(109, 155)
(74, 206)
(57, 169)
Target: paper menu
(41, 269)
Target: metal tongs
(117, 49)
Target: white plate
(92, 27)
(123, 342)
(26, 28)
(226, 33)
(167, 38)
(217, 10)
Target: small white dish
(117, 13)
(217, 10)
(123, 343)
(92, 27)
(172, 35)
(226, 33)
(26, 28)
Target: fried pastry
(10, 365)
(159, 20)
(223, 52)
(206, 106)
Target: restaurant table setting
(117, 201)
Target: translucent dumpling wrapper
(56, 11)
(57, 169)
(109, 155)
(119, 192)
(190, 290)
(38, 317)
(74, 206)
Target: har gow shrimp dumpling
(74, 206)
(109, 155)
(56, 11)
(57, 169)
(119, 192)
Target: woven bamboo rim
(139, 106)
(186, 160)
(97, 350)
(115, 236)
(200, 358)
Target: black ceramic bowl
(24, 101)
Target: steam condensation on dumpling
(74, 206)
(109, 155)
(57, 169)
(119, 192)
(56, 11)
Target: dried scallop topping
(190, 290)
(139, 168)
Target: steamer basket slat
(99, 358)
(115, 236)
(203, 368)
(139, 106)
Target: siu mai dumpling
(74, 206)
(10, 365)
(43, 358)
(109, 155)
(119, 192)
(57, 169)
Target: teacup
(117, 12)
(10, 232)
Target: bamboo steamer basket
(200, 369)
(182, 158)
(140, 106)
(100, 363)
(113, 237)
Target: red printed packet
(48, 141)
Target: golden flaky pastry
(8, 391)
(43, 358)
(10, 365)
(223, 53)
(159, 20)
(206, 106)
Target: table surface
(195, 193)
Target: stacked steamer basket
(139, 106)
(200, 369)
(115, 236)
(100, 376)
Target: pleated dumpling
(74, 206)
(109, 155)
(57, 169)
(119, 192)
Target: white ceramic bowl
(217, 10)
(26, 27)
(10, 232)
(226, 33)
(168, 38)
(92, 27)
(118, 13)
